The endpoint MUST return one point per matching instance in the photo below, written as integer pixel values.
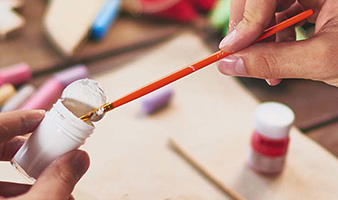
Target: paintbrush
(189, 69)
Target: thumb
(306, 59)
(59, 179)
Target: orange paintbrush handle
(194, 67)
(205, 62)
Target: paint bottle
(60, 131)
(270, 138)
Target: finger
(19, 123)
(282, 60)
(286, 35)
(59, 179)
(9, 149)
(8, 189)
(284, 4)
(257, 16)
(327, 15)
(273, 82)
(236, 13)
(315, 5)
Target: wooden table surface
(314, 103)
(211, 118)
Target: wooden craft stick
(231, 193)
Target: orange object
(191, 68)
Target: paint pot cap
(273, 120)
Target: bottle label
(266, 164)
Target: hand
(315, 58)
(58, 179)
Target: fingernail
(41, 112)
(273, 82)
(232, 66)
(228, 40)
(80, 163)
(268, 81)
(32, 120)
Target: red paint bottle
(270, 138)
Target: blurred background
(50, 36)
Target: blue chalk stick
(105, 18)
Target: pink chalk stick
(15, 74)
(51, 90)
(68, 76)
(47, 94)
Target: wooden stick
(179, 149)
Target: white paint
(61, 130)
(83, 96)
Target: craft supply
(15, 74)
(301, 34)
(190, 68)
(231, 193)
(10, 20)
(178, 10)
(52, 89)
(157, 100)
(219, 17)
(87, 90)
(105, 18)
(270, 139)
(204, 5)
(59, 132)
(67, 22)
(6, 92)
(19, 98)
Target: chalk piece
(6, 92)
(19, 98)
(15, 74)
(67, 22)
(105, 18)
(156, 100)
(52, 89)
(72, 74)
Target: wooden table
(314, 104)
(211, 117)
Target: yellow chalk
(6, 91)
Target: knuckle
(66, 176)
(269, 68)
(251, 19)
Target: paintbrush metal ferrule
(97, 112)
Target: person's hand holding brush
(315, 58)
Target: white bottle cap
(273, 120)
